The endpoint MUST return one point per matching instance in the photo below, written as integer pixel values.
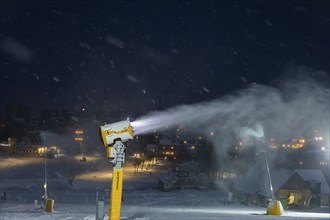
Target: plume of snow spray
(296, 105)
(257, 131)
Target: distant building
(300, 187)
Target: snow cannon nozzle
(117, 131)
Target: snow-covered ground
(170, 209)
(142, 199)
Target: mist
(64, 141)
(292, 106)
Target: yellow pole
(116, 194)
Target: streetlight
(45, 185)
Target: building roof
(314, 175)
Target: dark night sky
(124, 55)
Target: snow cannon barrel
(118, 131)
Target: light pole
(45, 185)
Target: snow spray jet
(257, 131)
(294, 105)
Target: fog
(296, 104)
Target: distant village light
(79, 131)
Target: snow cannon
(275, 208)
(118, 131)
(113, 137)
(121, 131)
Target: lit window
(319, 138)
(322, 163)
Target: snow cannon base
(275, 208)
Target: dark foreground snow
(142, 199)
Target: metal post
(117, 181)
(45, 186)
(99, 206)
(268, 171)
(97, 202)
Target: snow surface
(152, 211)
(142, 199)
